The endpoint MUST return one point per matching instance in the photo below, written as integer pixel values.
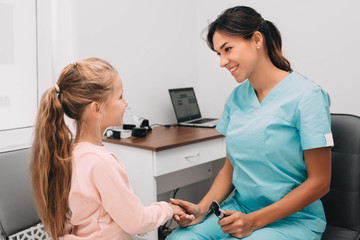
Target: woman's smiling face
(238, 55)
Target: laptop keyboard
(204, 120)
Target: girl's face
(115, 107)
(240, 56)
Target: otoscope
(215, 208)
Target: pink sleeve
(111, 180)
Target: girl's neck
(89, 140)
(89, 133)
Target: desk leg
(140, 168)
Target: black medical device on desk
(128, 130)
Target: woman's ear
(258, 39)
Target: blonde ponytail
(51, 164)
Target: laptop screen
(185, 104)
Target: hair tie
(57, 88)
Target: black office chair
(342, 203)
(18, 217)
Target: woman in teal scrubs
(278, 139)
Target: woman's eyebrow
(222, 46)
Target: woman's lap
(210, 229)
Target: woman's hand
(193, 214)
(237, 224)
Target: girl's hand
(237, 224)
(193, 213)
(177, 210)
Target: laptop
(187, 109)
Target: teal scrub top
(265, 142)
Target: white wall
(320, 38)
(159, 44)
(152, 44)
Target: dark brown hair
(243, 21)
(80, 83)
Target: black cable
(165, 230)
(175, 192)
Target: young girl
(81, 190)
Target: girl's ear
(95, 109)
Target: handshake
(232, 222)
(183, 212)
(187, 213)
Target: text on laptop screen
(185, 104)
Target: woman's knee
(185, 234)
(208, 229)
(177, 234)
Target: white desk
(167, 158)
